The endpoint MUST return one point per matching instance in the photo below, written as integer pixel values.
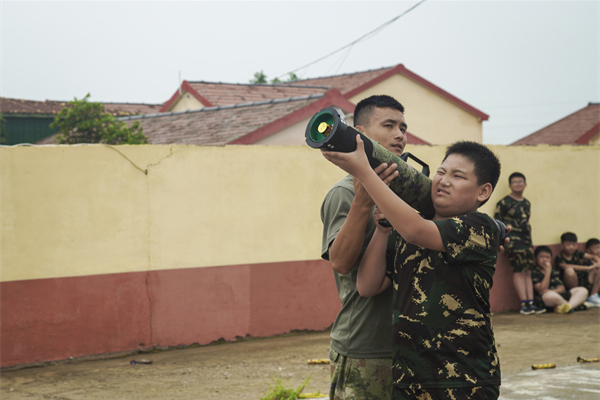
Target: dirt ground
(244, 369)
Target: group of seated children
(574, 284)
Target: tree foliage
(261, 78)
(82, 121)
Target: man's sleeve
(334, 212)
(472, 238)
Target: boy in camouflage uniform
(441, 271)
(571, 262)
(550, 290)
(515, 210)
(592, 247)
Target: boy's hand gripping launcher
(328, 131)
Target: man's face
(542, 258)
(454, 188)
(569, 247)
(595, 250)
(517, 185)
(387, 127)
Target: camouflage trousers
(470, 393)
(360, 378)
(521, 258)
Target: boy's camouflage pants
(360, 378)
(471, 393)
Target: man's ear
(485, 191)
(360, 128)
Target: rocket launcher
(328, 131)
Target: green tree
(260, 77)
(86, 122)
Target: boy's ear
(360, 128)
(485, 191)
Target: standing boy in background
(441, 271)
(571, 262)
(361, 336)
(592, 247)
(550, 290)
(515, 210)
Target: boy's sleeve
(499, 213)
(536, 275)
(334, 212)
(472, 238)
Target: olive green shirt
(363, 327)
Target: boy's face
(594, 249)
(387, 126)
(455, 190)
(517, 185)
(569, 247)
(542, 258)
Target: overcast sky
(525, 63)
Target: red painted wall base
(54, 319)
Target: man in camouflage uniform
(441, 271)
(515, 210)
(361, 338)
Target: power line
(373, 32)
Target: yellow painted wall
(92, 209)
(595, 140)
(186, 102)
(428, 115)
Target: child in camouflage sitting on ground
(550, 290)
(441, 269)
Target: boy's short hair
(364, 108)
(542, 249)
(591, 242)
(516, 175)
(487, 165)
(568, 237)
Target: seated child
(550, 291)
(570, 263)
(592, 247)
(441, 271)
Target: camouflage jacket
(516, 214)
(443, 335)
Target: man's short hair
(487, 165)
(364, 108)
(542, 249)
(516, 175)
(591, 242)
(568, 237)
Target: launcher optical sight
(328, 131)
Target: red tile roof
(346, 82)
(218, 125)
(244, 123)
(577, 128)
(19, 106)
(212, 94)
(221, 94)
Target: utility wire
(366, 35)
